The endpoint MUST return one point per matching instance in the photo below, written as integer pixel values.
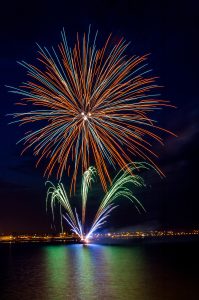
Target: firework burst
(119, 189)
(93, 108)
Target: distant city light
(64, 237)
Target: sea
(154, 270)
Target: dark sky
(166, 29)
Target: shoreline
(106, 241)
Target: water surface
(141, 272)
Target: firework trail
(88, 178)
(118, 190)
(91, 106)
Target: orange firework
(93, 107)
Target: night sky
(169, 31)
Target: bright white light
(85, 116)
(84, 240)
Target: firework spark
(93, 107)
(118, 190)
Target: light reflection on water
(88, 271)
(98, 272)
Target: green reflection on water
(90, 272)
(126, 274)
(70, 271)
(57, 271)
(138, 272)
